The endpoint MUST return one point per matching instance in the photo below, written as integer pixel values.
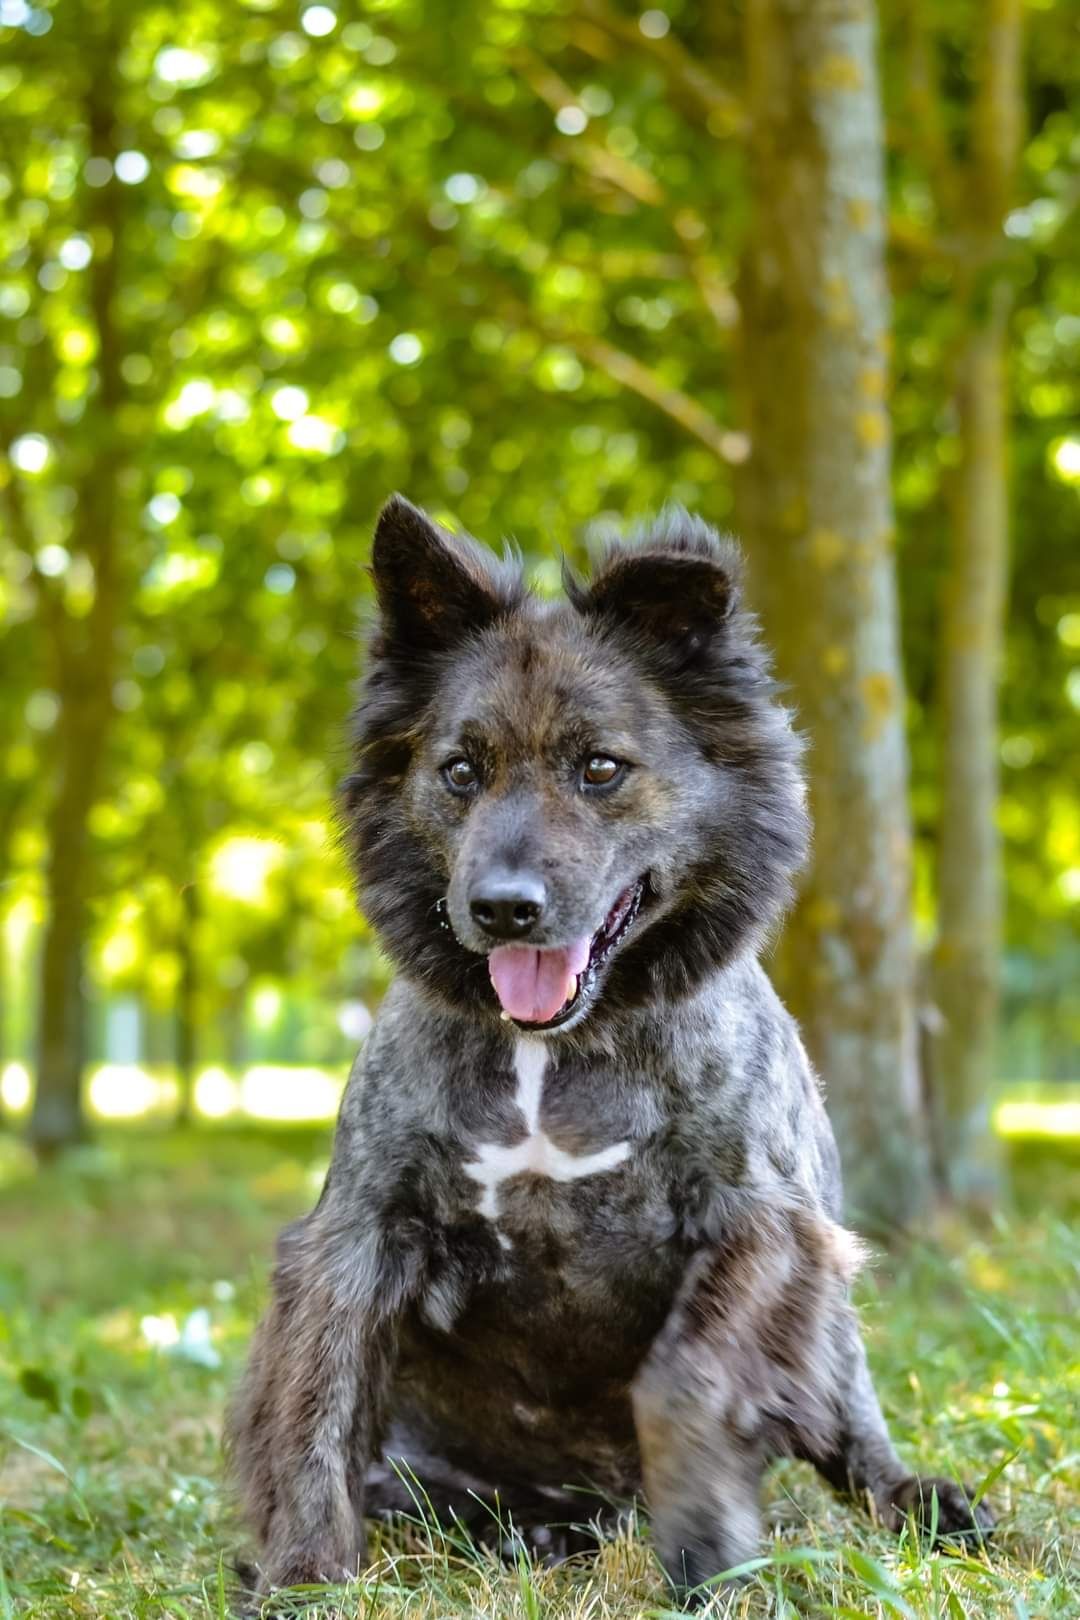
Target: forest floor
(129, 1281)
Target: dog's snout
(507, 905)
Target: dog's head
(561, 810)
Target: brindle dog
(580, 1235)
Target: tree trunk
(818, 520)
(186, 991)
(3, 1025)
(84, 657)
(967, 956)
(7, 822)
(235, 1019)
(57, 1116)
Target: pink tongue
(534, 985)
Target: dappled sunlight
(1065, 460)
(189, 1340)
(118, 1092)
(22, 916)
(241, 868)
(282, 1092)
(128, 1091)
(160, 1331)
(301, 1093)
(15, 1087)
(1034, 1119)
(184, 1333)
(266, 1006)
(216, 1094)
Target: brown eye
(600, 771)
(460, 775)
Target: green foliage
(127, 1297)
(260, 268)
(939, 265)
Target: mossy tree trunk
(967, 956)
(817, 515)
(83, 656)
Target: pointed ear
(676, 593)
(432, 586)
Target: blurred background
(544, 265)
(809, 267)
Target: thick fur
(547, 1273)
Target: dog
(580, 1236)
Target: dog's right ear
(676, 589)
(432, 587)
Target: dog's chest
(552, 1134)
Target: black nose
(507, 905)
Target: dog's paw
(290, 1575)
(697, 1560)
(306, 1569)
(941, 1508)
(298, 1557)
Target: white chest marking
(536, 1154)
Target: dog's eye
(460, 775)
(601, 771)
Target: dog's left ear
(432, 586)
(676, 597)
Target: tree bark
(8, 816)
(817, 514)
(186, 992)
(57, 1119)
(84, 658)
(967, 955)
(3, 1029)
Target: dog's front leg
(308, 1415)
(858, 1458)
(745, 1366)
(700, 1435)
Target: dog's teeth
(505, 1016)
(573, 989)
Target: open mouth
(541, 989)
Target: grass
(129, 1280)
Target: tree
(818, 516)
(493, 263)
(83, 652)
(17, 776)
(959, 270)
(967, 953)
